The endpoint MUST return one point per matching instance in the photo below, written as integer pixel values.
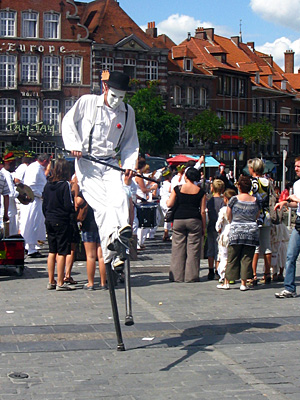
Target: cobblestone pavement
(189, 341)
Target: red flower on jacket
(119, 126)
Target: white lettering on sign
(33, 47)
(11, 46)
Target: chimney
(189, 36)
(251, 45)
(298, 70)
(236, 40)
(200, 33)
(289, 61)
(151, 30)
(210, 33)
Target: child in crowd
(92, 246)
(223, 226)
(57, 209)
(213, 207)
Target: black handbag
(169, 217)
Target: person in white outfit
(28, 158)
(223, 227)
(165, 192)
(9, 167)
(103, 126)
(32, 221)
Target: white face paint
(115, 97)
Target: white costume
(12, 208)
(223, 225)
(165, 192)
(20, 172)
(177, 180)
(32, 223)
(102, 186)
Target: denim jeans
(291, 258)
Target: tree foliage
(157, 128)
(206, 126)
(257, 132)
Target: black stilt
(114, 306)
(128, 318)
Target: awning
(229, 137)
(210, 161)
(179, 159)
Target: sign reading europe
(37, 127)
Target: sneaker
(37, 254)
(285, 294)
(64, 287)
(51, 286)
(211, 275)
(225, 286)
(118, 264)
(86, 287)
(243, 288)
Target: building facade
(44, 68)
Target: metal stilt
(114, 306)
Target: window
(285, 115)
(273, 109)
(40, 148)
(177, 95)
(130, 67)
(254, 107)
(51, 112)
(220, 84)
(29, 24)
(202, 99)
(227, 85)
(29, 69)
(51, 69)
(242, 88)
(8, 23)
(29, 111)
(235, 87)
(242, 120)
(8, 69)
(69, 104)
(73, 69)
(151, 70)
(107, 63)
(7, 112)
(190, 96)
(51, 26)
(188, 64)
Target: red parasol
(179, 159)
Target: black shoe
(211, 275)
(37, 254)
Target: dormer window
(188, 64)
(270, 80)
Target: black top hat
(118, 80)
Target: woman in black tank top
(188, 228)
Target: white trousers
(102, 188)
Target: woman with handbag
(188, 227)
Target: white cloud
(177, 27)
(277, 49)
(283, 12)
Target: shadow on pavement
(197, 338)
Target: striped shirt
(4, 189)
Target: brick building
(44, 68)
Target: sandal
(266, 279)
(70, 281)
(253, 281)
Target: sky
(273, 25)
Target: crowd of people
(110, 188)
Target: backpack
(275, 215)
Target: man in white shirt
(32, 221)
(293, 251)
(102, 126)
(9, 167)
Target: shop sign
(37, 127)
(11, 46)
